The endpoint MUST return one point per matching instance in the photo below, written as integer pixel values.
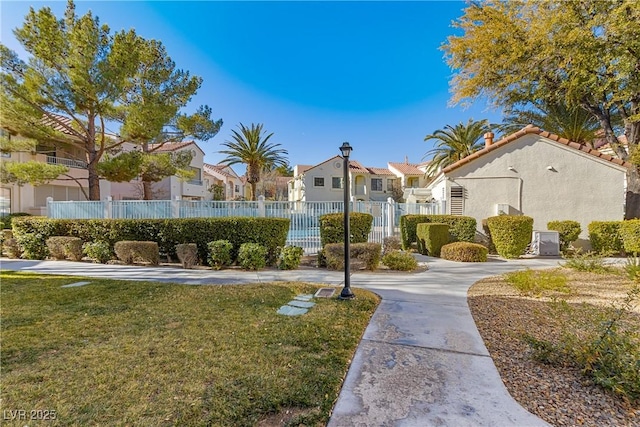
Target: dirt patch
(561, 395)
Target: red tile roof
(536, 131)
(407, 168)
(170, 146)
(217, 168)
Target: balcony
(71, 163)
(195, 182)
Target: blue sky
(314, 73)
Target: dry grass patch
(559, 393)
(142, 353)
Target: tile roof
(380, 171)
(304, 168)
(217, 168)
(170, 146)
(407, 168)
(354, 166)
(536, 131)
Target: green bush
(365, 255)
(489, 241)
(129, 252)
(630, 234)
(252, 256)
(65, 247)
(605, 237)
(464, 252)
(269, 232)
(461, 228)
(290, 257)
(431, 237)
(6, 220)
(220, 254)
(590, 262)
(398, 260)
(187, 254)
(4, 236)
(537, 282)
(511, 234)
(569, 232)
(99, 251)
(33, 246)
(332, 227)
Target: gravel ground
(560, 395)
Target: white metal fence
(304, 230)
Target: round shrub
(129, 251)
(464, 252)
(290, 257)
(252, 256)
(99, 251)
(63, 247)
(398, 260)
(568, 231)
(510, 234)
(219, 254)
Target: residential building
(225, 177)
(538, 174)
(324, 181)
(171, 187)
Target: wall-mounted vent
(457, 200)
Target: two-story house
(224, 176)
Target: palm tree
(251, 147)
(455, 143)
(573, 123)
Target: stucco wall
(545, 180)
(327, 171)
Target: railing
(72, 163)
(304, 229)
(195, 182)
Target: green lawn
(142, 353)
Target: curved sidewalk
(421, 361)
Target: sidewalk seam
(444, 350)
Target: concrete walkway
(421, 361)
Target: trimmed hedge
(464, 252)
(461, 228)
(129, 251)
(432, 236)
(367, 254)
(510, 234)
(630, 234)
(269, 232)
(605, 237)
(6, 220)
(568, 231)
(65, 247)
(332, 227)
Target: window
(376, 184)
(6, 155)
(336, 182)
(318, 182)
(237, 188)
(5, 201)
(197, 177)
(390, 184)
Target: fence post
(108, 208)
(443, 207)
(261, 208)
(391, 217)
(175, 207)
(49, 200)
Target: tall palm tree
(454, 143)
(251, 147)
(573, 123)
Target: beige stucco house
(538, 174)
(225, 177)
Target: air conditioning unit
(503, 209)
(545, 243)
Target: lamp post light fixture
(346, 291)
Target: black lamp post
(346, 291)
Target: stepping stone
(325, 293)
(301, 304)
(75, 285)
(304, 297)
(287, 310)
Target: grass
(143, 353)
(538, 282)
